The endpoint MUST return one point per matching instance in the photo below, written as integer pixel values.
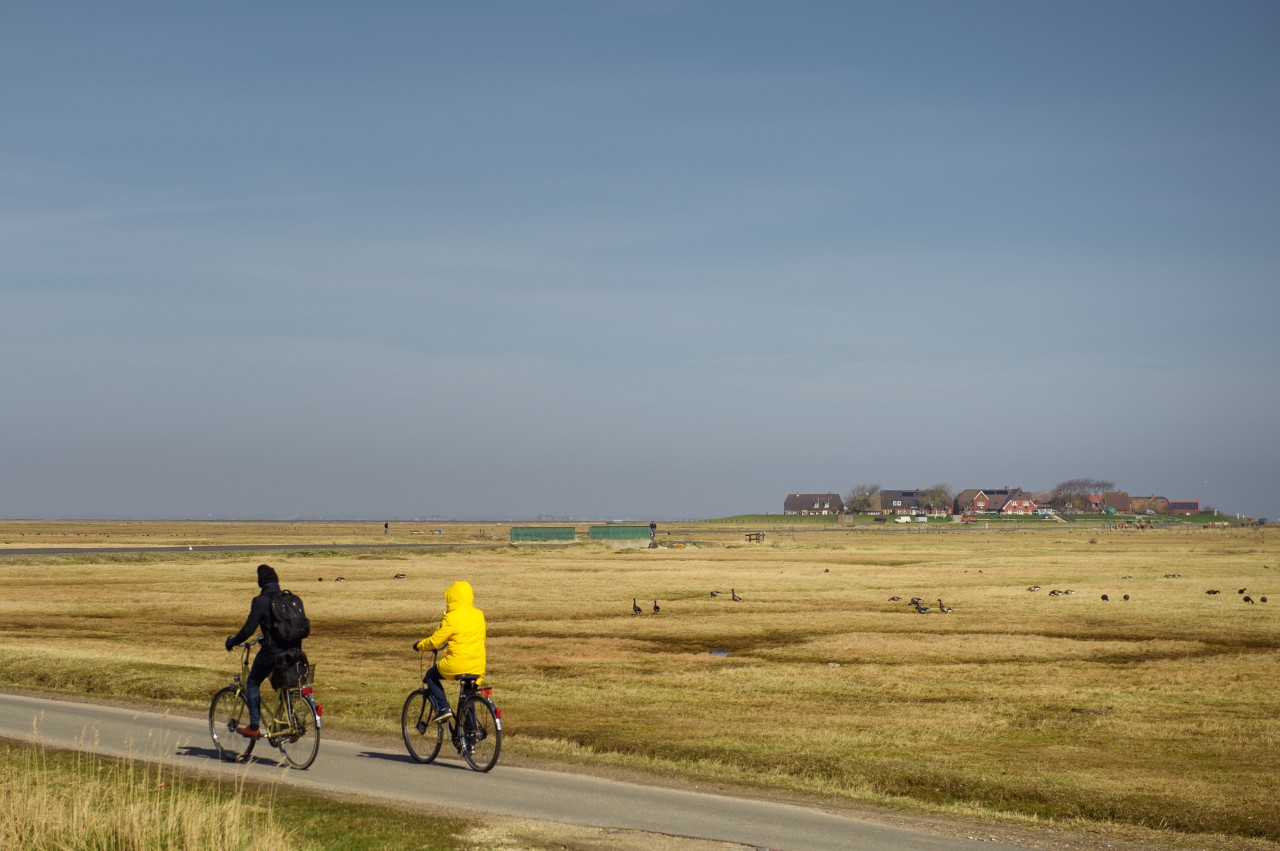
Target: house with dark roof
(1004, 500)
(900, 502)
(813, 503)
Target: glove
(416, 648)
(230, 643)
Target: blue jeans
(263, 664)
(435, 690)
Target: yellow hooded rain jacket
(463, 629)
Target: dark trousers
(435, 690)
(263, 664)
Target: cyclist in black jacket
(265, 662)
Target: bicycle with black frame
(292, 724)
(475, 728)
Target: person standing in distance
(265, 662)
(462, 635)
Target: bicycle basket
(292, 670)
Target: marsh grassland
(1156, 714)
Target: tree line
(1070, 495)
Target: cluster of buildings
(1005, 500)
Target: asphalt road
(388, 773)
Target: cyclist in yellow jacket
(462, 635)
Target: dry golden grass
(1159, 712)
(62, 802)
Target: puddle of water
(720, 651)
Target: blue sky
(638, 259)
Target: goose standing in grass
(656, 607)
(924, 610)
(734, 596)
(915, 601)
(942, 607)
(1246, 598)
(1126, 598)
(715, 593)
(1262, 599)
(895, 599)
(635, 607)
(1106, 599)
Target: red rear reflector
(498, 712)
(487, 692)
(319, 709)
(306, 689)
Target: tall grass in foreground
(81, 801)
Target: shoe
(249, 732)
(442, 717)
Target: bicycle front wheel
(228, 711)
(422, 736)
(481, 734)
(303, 742)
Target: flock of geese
(921, 608)
(635, 606)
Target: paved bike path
(388, 773)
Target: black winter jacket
(259, 616)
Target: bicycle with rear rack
(475, 728)
(292, 724)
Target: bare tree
(937, 498)
(863, 499)
(1073, 494)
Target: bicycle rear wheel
(227, 711)
(422, 736)
(480, 734)
(301, 746)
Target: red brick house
(1004, 500)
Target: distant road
(387, 773)
(238, 548)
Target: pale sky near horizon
(638, 259)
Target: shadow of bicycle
(405, 758)
(212, 753)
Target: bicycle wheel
(301, 746)
(422, 736)
(227, 711)
(481, 734)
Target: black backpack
(289, 623)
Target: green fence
(618, 533)
(543, 533)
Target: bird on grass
(922, 609)
(1033, 588)
(1105, 598)
(1246, 598)
(341, 579)
(1262, 599)
(656, 607)
(635, 607)
(1242, 590)
(399, 576)
(1213, 591)
(715, 593)
(895, 599)
(1126, 598)
(942, 607)
(734, 596)
(915, 601)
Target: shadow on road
(405, 758)
(212, 753)
(192, 750)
